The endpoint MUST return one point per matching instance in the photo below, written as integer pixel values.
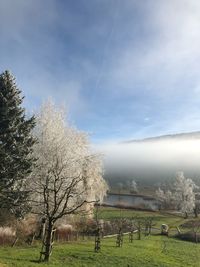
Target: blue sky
(124, 69)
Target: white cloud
(168, 56)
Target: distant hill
(179, 136)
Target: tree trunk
(195, 212)
(196, 239)
(42, 229)
(150, 227)
(14, 242)
(178, 230)
(48, 241)
(139, 232)
(97, 246)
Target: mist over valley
(152, 161)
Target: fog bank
(151, 161)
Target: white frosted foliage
(184, 193)
(67, 173)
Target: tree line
(47, 167)
(184, 196)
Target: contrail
(107, 45)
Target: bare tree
(121, 225)
(148, 223)
(132, 230)
(119, 240)
(98, 230)
(68, 177)
(139, 224)
(195, 230)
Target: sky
(124, 69)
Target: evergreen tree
(16, 142)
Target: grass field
(158, 217)
(148, 252)
(151, 251)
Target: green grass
(148, 252)
(151, 251)
(159, 218)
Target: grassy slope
(158, 217)
(153, 251)
(148, 252)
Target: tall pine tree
(16, 142)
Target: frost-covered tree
(68, 176)
(160, 193)
(166, 197)
(16, 144)
(184, 195)
(197, 203)
(133, 187)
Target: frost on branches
(182, 197)
(184, 193)
(165, 197)
(68, 176)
